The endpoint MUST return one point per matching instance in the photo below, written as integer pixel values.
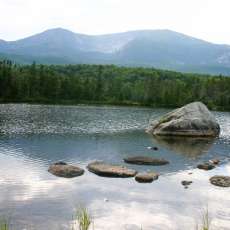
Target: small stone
(146, 177)
(153, 148)
(186, 182)
(206, 166)
(221, 181)
(214, 161)
(62, 169)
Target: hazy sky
(206, 19)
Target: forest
(110, 84)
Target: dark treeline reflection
(111, 85)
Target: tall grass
(206, 221)
(4, 224)
(84, 219)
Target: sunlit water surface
(34, 136)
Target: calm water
(34, 136)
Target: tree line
(109, 84)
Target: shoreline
(97, 103)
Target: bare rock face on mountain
(193, 120)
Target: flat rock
(146, 177)
(206, 166)
(193, 119)
(109, 170)
(221, 181)
(62, 169)
(142, 160)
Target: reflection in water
(188, 146)
(32, 138)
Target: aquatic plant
(206, 221)
(83, 218)
(4, 224)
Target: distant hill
(151, 48)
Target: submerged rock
(62, 169)
(146, 177)
(222, 181)
(60, 163)
(109, 170)
(153, 148)
(215, 161)
(206, 166)
(186, 182)
(142, 160)
(193, 119)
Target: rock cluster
(193, 120)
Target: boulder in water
(193, 119)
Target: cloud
(207, 19)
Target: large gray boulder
(193, 119)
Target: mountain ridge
(149, 48)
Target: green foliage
(206, 222)
(109, 84)
(84, 219)
(4, 225)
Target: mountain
(151, 48)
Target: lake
(34, 136)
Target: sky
(205, 19)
